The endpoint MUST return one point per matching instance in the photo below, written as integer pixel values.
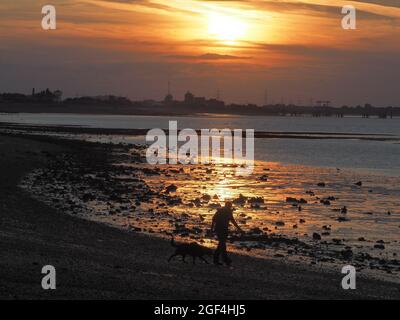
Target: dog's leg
(174, 255)
(203, 259)
(183, 258)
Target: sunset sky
(296, 49)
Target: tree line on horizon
(189, 105)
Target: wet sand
(95, 261)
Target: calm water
(259, 123)
(381, 157)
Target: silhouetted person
(220, 226)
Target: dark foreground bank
(94, 261)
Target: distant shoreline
(143, 132)
(171, 114)
(140, 108)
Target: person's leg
(224, 253)
(218, 251)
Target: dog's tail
(173, 242)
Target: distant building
(323, 103)
(57, 95)
(189, 98)
(215, 103)
(200, 101)
(168, 99)
(46, 96)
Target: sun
(226, 28)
